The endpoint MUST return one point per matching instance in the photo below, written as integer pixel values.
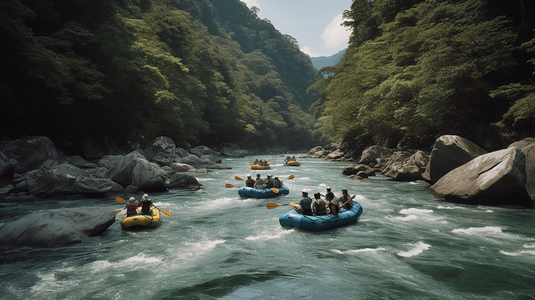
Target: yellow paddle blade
(271, 205)
(120, 200)
(290, 177)
(165, 212)
(274, 190)
(271, 161)
(237, 178)
(118, 211)
(293, 205)
(228, 185)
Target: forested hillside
(418, 69)
(328, 61)
(111, 71)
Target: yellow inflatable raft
(257, 167)
(293, 163)
(140, 220)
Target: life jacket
(145, 206)
(131, 209)
(319, 207)
(305, 203)
(259, 184)
(249, 183)
(345, 199)
(277, 184)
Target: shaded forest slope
(108, 72)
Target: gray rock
(186, 181)
(194, 161)
(496, 178)
(135, 169)
(352, 170)
(527, 146)
(29, 153)
(60, 180)
(373, 156)
(79, 162)
(108, 161)
(449, 152)
(406, 166)
(93, 186)
(57, 227)
(203, 150)
(164, 151)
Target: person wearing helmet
(346, 200)
(277, 183)
(131, 206)
(329, 195)
(305, 204)
(259, 183)
(145, 204)
(268, 183)
(319, 207)
(249, 182)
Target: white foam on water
(415, 211)
(416, 249)
(205, 245)
(268, 236)
(357, 251)
(518, 253)
(487, 230)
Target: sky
(314, 23)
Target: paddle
(271, 205)
(121, 200)
(237, 178)
(352, 197)
(275, 190)
(290, 177)
(118, 210)
(228, 185)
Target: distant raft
(265, 193)
(140, 220)
(292, 163)
(294, 219)
(258, 167)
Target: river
(216, 245)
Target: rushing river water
(216, 245)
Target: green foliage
(115, 70)
(429, 72)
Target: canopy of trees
(199, 71)
(418, 69)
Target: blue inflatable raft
(316, 223)
(265, 193)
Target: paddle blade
(120, 200)
(290, 177)
(165, 212)
(237, 178)
(271, 161)
(274, 190)
(271, 205)
(228, 185)
(118, 211)
(294, 205)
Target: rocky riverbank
(34, 168)
(456, 169)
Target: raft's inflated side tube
(292, 163)
(257, 167)
(265, 193)
(316, 223)
(140, 220)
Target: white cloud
(335, 34)
(307, 50)
(251, 3)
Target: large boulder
(7, 169)
(496, 178)
(164, 151)
(527, 146)
(29, 153)
(135, 169)
(203, 150)
(406, 166)
(233, 150)
(374, 156)
(449, 152)
(58, 180)
(56, 227)
(183, 181)
(93, 186)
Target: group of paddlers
(288, 158)
(260, 162)
(261, 184)
(132, 204)
(319, 206)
